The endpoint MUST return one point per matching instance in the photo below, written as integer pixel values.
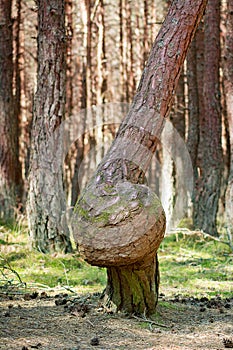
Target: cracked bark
(119, 222)
(46, 203)
(210, 149)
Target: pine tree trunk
(8, 124)
(46, 201)
(193, 115)
(134, 287)
(194, 61)
(119, 222)
(228, 86)
(209, 180)
(18, 105)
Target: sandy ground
(64, 322)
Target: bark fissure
(46, 201)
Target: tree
(119, 222)
(228, 86)
(8, 121)
(17, 103)
(46, 202)
(210, 152)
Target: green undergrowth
(195, 266)
(190, 265)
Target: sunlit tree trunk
(120, 222)
(88, 54)
(228, 86)
(46, 201)
(122, 57)
(193, 108)
(131, 83)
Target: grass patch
(37, 270)
(190, 265)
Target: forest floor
(52, 302)
(65, 322)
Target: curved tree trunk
(228, 85)
(119, 222)
(46, 199)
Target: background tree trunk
(8, 122)
(209, 179)
(18, 105)
(46, 201)
(120, 222)
(228, 86)
(193, 110)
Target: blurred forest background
(107, 45)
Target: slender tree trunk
(124, 95)
(228, 86)
(146, 45)
(209, 180)
(130, 59)
(178, 117)
(89, 92)
(17, 104)
(120, 222)
(8, 124)
(46, 201)
(193, 115)
(193, 108)
(69, 57)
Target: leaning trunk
(119, 221)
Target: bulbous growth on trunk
(118, 224)
(121, 227)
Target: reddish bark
(8, 123)
(210, 163)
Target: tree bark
(195, 103)
(119, 221)
(210, 162)
(193, 115)
(46, 200)
(228, 87)
(18, 106)
(8, 123)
